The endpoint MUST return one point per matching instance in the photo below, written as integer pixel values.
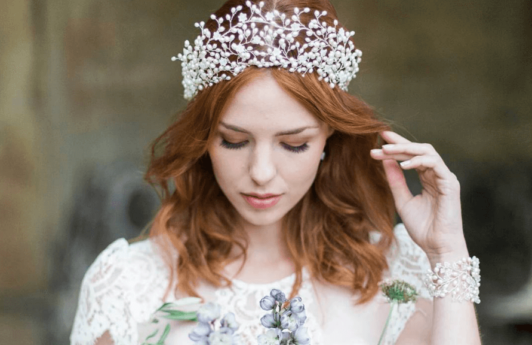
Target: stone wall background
(86, 85)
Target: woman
(277, 181)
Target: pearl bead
(201, 66)
(461, 280)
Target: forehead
(262, 105)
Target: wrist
(456, 254)
(458, 278)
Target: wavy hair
(327, 231)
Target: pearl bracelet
(461, 279)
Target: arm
(434, 222)
(454, 322)
(441, 321)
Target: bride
(274, 177)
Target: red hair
(327, 231)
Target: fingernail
(388, 146)
(405, 163)
(376, 151)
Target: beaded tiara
(218, 55)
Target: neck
(267, 254)
(265, 242)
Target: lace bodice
(126, 283)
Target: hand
(433, 218)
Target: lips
(259, 201)
(262, 196)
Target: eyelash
(236, 146)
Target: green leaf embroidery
(169, 311)
(164, 335)
(152, 335)
(180, 315)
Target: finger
(415, 149)
(393, 138)
(378, 154)
(396, 180)
(427, 162)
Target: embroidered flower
(301, 337)
(278, 295)
(285, 322)
(289, 321)
(267, 303)
(207, 332)
(268, 321)
(271, 337)
(208, 312)
(219, 338)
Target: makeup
(262, 203)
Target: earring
(322, 155)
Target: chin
(262, 218)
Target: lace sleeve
(103, 300)
(407, 262)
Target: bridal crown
(218, 55)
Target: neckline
(286, 280)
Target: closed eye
(236, 146)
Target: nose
(262, 167)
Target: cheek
(226, 167)
(300, 173)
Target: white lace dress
(126, 284)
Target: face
(267, 143)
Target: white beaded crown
(233, 47)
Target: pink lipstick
(262, 201)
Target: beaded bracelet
(461, 279)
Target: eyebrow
(291, 131)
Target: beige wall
(84, 83)
(20, 161)
(21, 249)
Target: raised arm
(434, 221)
(453, 322)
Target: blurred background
(86, 85)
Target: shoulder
(122, 264)
(121, 288)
